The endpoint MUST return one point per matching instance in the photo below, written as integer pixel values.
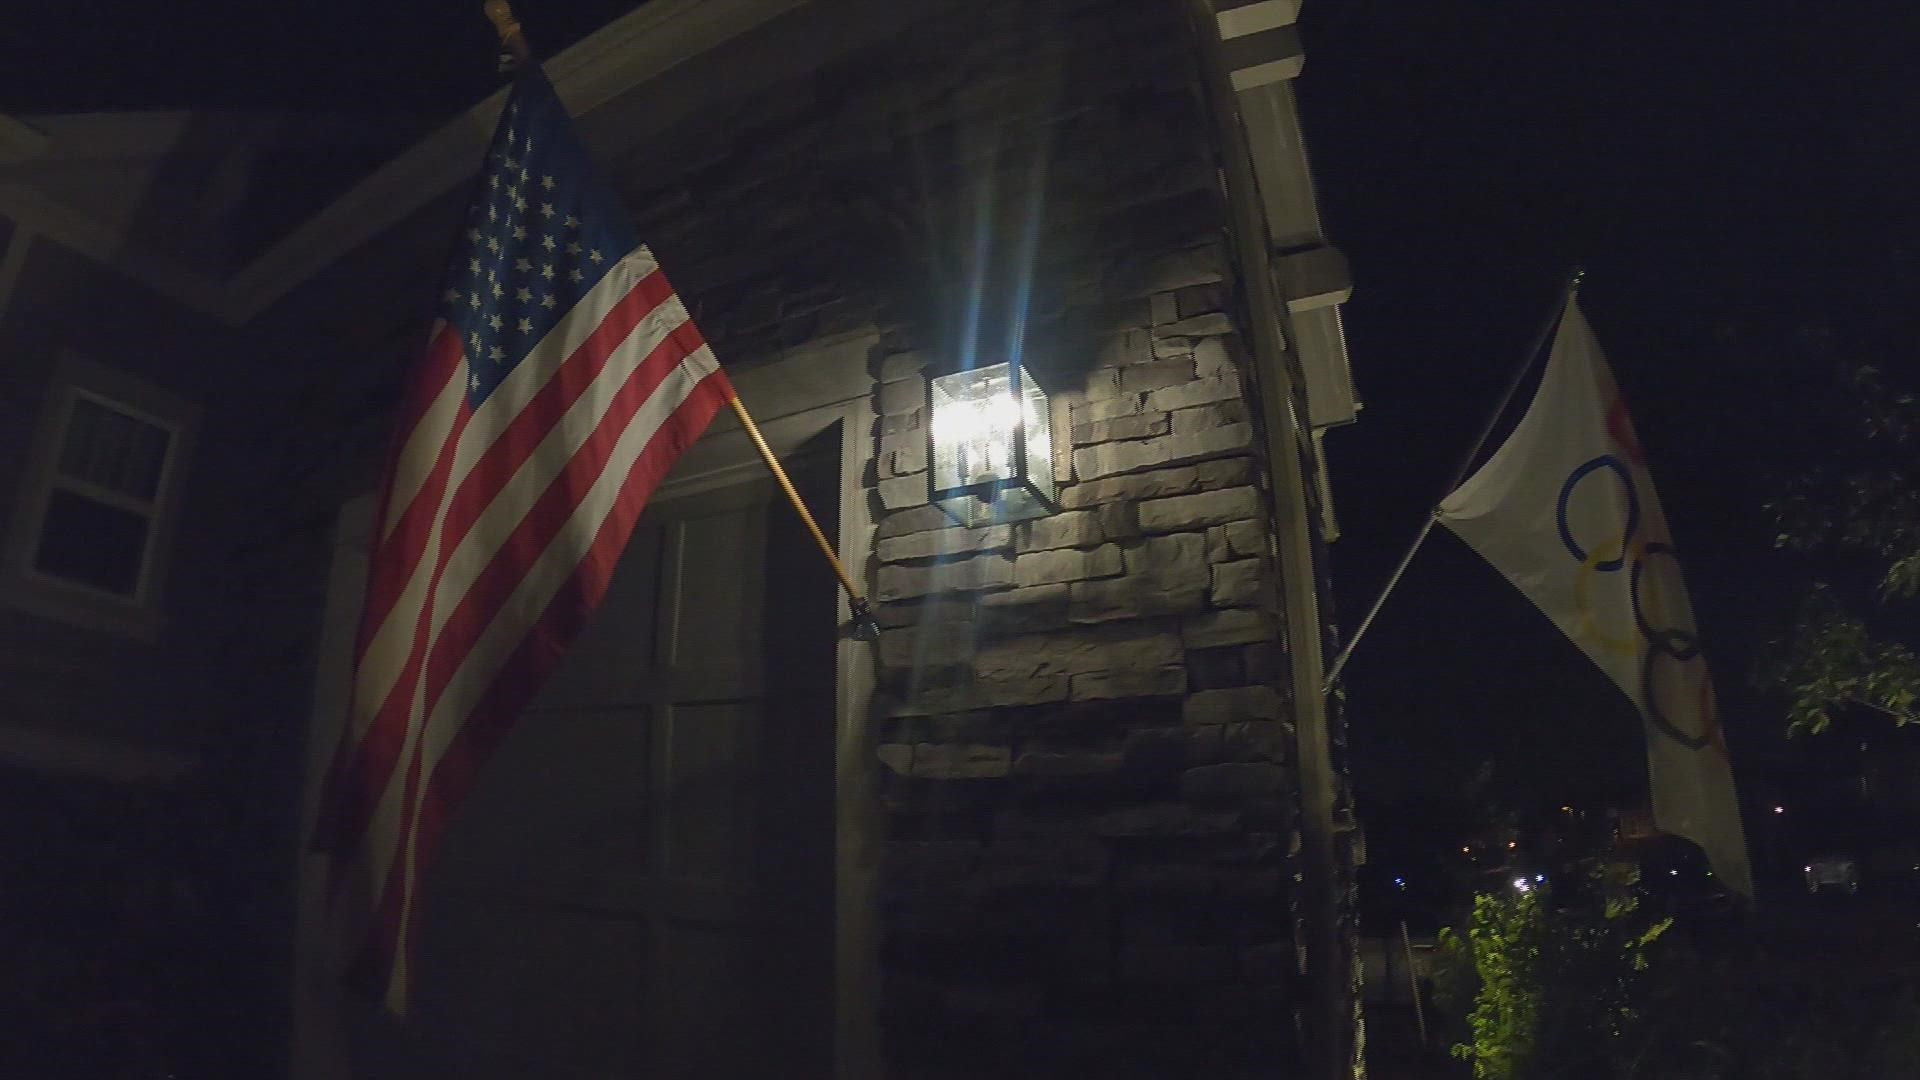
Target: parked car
(1838, 872)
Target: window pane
(107, 447)
(91, 543)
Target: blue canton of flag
(541, 232)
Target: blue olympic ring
(1605, 461)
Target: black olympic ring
(1655, 648)
(1605, 461)
(1682, 645)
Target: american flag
(561, 380)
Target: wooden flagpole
(516, 53)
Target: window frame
(50, 595)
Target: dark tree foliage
(1858, 509)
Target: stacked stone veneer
(1083, 760)
(1085, 757)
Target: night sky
(1730, 175)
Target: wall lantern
(992, 445)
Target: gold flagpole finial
(514, 51)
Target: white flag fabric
(1567, 511)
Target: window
(95, 507)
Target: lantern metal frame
(1022, 486)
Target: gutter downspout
(1328, 1016)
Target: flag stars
(473, 266)
(493, 245)
(493, 321)
(497, 353)
(547, 182)
(574, 275)
(547, 300)
(519, 232)
(453, 296)
(523, 266)
(595, 255)
(547, 211)
(572, 222)
(548, 243)
(573, 248)
(525, 326)
(523, 294)
(546, 271)
(497, 293)
(511, 164)
(473, 301)
(493, 214)
(473, 234)
(474, 339)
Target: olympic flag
(1567, 511)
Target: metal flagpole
(515, 53)
(1493, 420)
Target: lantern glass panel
(992, 445)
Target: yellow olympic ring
(1587, 630)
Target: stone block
(917, 519)
(1043, 862)
(1155, 374)
(1258, 740)
(1127, 347)
(1069, 528)
(1165, 307)
(1118, 520)
(1135, 596)
(960, 761)
(1068, 564)
(1176, 557)
(1108, 459)
(944, 542)
(1239, 626)
(1164, 819)
(932, 644)
(1212, 359)
(932, 609)
(1200, 300)
(1206, 476)
(1236, 705)
(1197, 392)
(1048, 762)
(1236, 584)
(903, 396)
(1243, 540)
(902, 492)
(1211, 324)
(899, 366)
(1193, 266)
(897, 757)
(1042, 607)
(968, 575)
(1199, 510)
(1225, 784)
(1155, 752)
(1130, 426)
(1072, 652)
(1216, 414)
(904, 423)
(903, 454)
(988, 693)
(1113, 408)
(1103, 384)
(1107, 685)
(1265, 663)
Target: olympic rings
(1605, 461)
(1679, 644)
